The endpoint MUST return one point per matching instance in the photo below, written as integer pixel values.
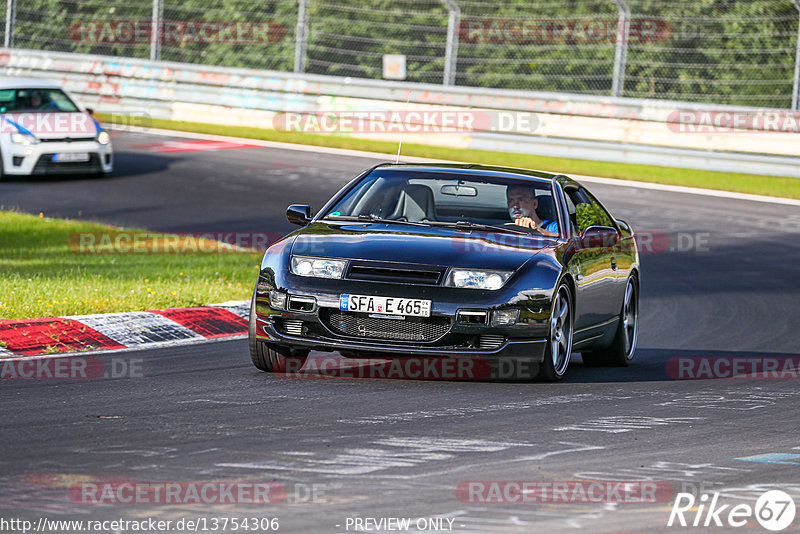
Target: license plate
(385, 305)
(70, 157)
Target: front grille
(290, 326)
(65, 139)
(46, 165)
(490, 341)
(418, 329)
(294, 328)
(382, 272)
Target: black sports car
(451, 261)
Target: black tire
(560, 337)
(620, 352)
(269, 357)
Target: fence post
(301, 39)
(621, 52)
(155, 30)
(11, 9)
(796, 85)
(451, 50)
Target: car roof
(472, 169)
(10, 82)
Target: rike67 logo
(774, 510)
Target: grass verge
(43, 276)
(742, 183)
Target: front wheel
(268, 357)
(559, 342)
(621, 351)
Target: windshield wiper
(370, 218)
(467, 225)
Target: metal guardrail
(164, 90)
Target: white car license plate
(385, 305)
(69, 157)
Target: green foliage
(737, 52)
(43, 276)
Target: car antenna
(405, 116)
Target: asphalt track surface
(400, 448)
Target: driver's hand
(525, 222)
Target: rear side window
(602, 215)
(582, 211)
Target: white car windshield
(35, 100)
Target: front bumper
(314, 329)
(26, 160)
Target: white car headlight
(319, 267)
(23, 139)
(471, 279)
(103, 138)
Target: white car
(44, 131)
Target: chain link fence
(738, 52)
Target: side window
(603, 216)
(585, 214)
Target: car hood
(51, 124)
(421, 245)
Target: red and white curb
(115, 331)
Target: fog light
(505, 317)
(277, 300)
(471, 316)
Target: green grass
(742, 183)
(43, 276)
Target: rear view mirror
(299, 214)
(459, 190)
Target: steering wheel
(525, 227)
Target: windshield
(15, 100)
(440, 198)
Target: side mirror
(599, 237)
(299, 214)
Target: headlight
(103, 138)
(477, 279)
(23, 139)
(320, 267)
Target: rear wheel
(269, 357)
(559, 342)
(621, 351)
